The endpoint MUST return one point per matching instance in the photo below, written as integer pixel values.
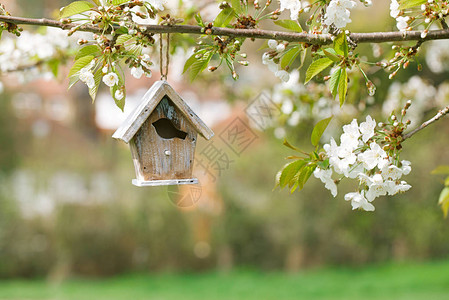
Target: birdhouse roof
(153, 96)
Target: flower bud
(392, 74)
(223, 5)
(371, 88)
(424, 34)
(408, 104)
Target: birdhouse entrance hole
(162, 133)
(166, 130)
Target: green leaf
(72, 81)
(199, 20)
(224, 17)
(303, 58)
(93, 50)
(332, 54)
(341, 45)
(277, 179)
(118, 2)
(97, 78)
(289, 24)
(135, 50)
(289, 57)
(304, 175)
(444, 201)
(316, 67)
(199, 65)
(333, 82)
(287, 144)
(75, 8)
(97, 2)
(190, 61)
(237, 6)
(318, 130)
(404, 4)
(323, 164)
(123, 39)
(1, 32)
(53, 64)
(342, 86)
(79, 64)
(289, 172)
(121, 30)
(441, 170)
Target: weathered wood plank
(160, 158)
(164, 182)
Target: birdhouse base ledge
(140, 183)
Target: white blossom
(272, 44)
(283, 75)
(340, 158)
(326, 177)
(376, 187)
(359, 201)
(437, 56)
(267, 60)
(119, 95)
(373, 157)
(338, 13)
(398, 188)
(137, 72)
(280, 48)
(377, 173)
(367, 128)
(402, 23)
(391, 172)
(350, 138)
(87, 77)
(406, 167)
(331, 148)
(394, 9)
(293, 5)
(342, 163)
(110, 79)
(294, 119)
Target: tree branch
(318, 39)
(438, 116)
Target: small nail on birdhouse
(162, 133)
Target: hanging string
(164, 73)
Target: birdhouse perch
(162, 134)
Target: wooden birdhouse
(162, 134)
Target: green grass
(428, 281)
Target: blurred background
(72, 226)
